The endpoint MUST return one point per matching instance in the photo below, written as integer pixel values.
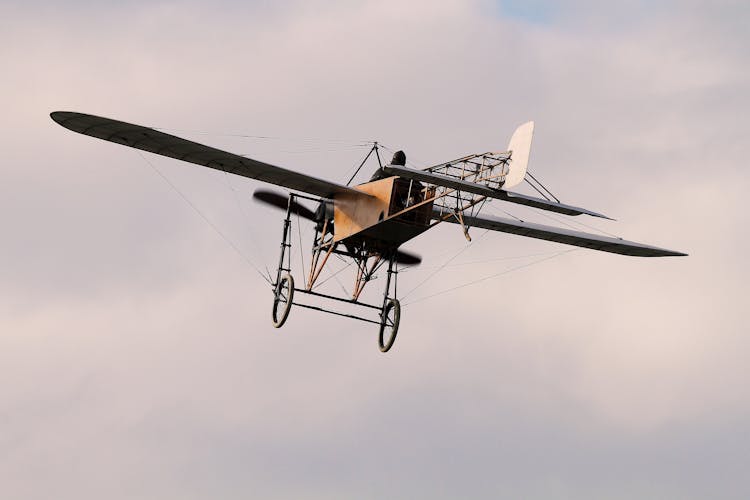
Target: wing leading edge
(565, 236)
(153, 141)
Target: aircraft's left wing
(153, 141)
(560, 235)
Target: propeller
(281, 201)
(407, 259)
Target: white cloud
(137, 353)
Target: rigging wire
(570, 223)
(263, 137)
(485, 261)
(507, 271)
(460, 251)
(593, 228)
(410, 159)
(548, 216)
(354, 147)
(335, 275)
(206, 219)
(528, 172)
(507, 213)
(343, 288)
(228, 179)
(538, 190)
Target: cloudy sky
(137, 356)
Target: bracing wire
(550, 217)
(538, 190)
(242, 209)
(531, 176)
(264, 137)
(410, 159)
(484, 261)
(587, 226)
(507, 213)
(474, 282)
(444, 264)
(205, 219)
(355, 147)
(571, 224)
(335, 275)
(343, 288)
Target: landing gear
(368, 261)
(389, 324)
(282, 300)
(390, 313)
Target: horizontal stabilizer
(559, 235)
(153, 141)
(561, 208)
(482, 190)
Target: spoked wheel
(389, 324)
(282, 300)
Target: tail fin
(520, 148)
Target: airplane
(369, 222)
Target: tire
(282, 300)
(389, 324)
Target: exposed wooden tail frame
(520, 148)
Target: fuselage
(395, 211)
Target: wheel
(389, 324)
(282, 300)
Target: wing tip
(678, 254)
(597, 214)
(663, 252)
(61, 117)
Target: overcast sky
(137, 356)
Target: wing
(559, 235)
(485, 190)
(153, 141)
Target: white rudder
(520, 148)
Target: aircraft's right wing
(153, 141)
(559, 235)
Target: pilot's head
(399, 158)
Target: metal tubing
(348, 301)
(373, 148)
(316, 308)
(322, 265)
(391, 258)
(283, 243)
(364, 276)
(377, 154)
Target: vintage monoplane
(369, 222)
